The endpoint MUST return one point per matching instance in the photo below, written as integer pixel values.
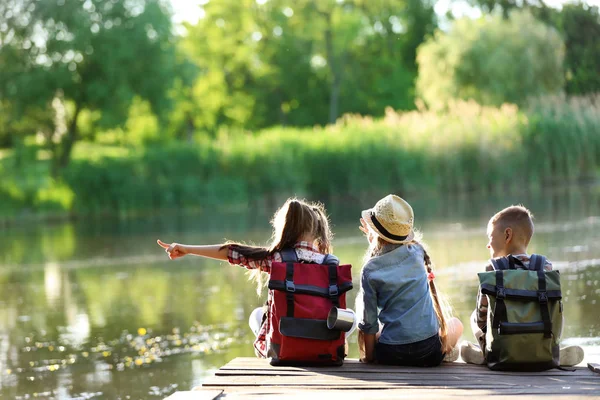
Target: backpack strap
(500, 264)
(508, 262)
(500, 313)
(289, 257)
(332, 263)
(537, 263)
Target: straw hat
(392, 219)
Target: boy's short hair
(518, 218)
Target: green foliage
(579, 25)
(55, 197)
(92, 55)
(245, 64)
(142, 126)
(468, 148)
(299, 63)
(491, 60)
(502, 6)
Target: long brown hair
(296, 220)
(442, 308)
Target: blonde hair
(295, 220)
(518, 218)
(441, 306)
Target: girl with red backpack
(301, 243)
(399, 295)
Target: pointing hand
(174, 250)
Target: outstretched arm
(177, 250)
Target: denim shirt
(394, 289)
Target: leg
(455, 331)
(477, 332)
(472, 353)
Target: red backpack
(301, 297)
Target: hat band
(384, 231)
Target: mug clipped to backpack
(302, 297)
(525, 318)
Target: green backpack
(524, 320)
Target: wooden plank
(428, 371)
(203, 394)
(441, 391)
(351, 366)
(252, 377)
(388, 394)
(295, 379)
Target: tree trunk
(282, 113)
(190, 129)
(335, 99)
(336, 80)
(62, 154)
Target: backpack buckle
(290, 287)
(333, 290)
(543, 297)
(500, 293)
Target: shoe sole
(571, 355)
(472, 355)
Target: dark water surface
(94, 309)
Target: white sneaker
(570, 356)
(471, 353)
(452, 355)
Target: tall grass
(467, 148)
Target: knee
(456, 326)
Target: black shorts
(425, 353)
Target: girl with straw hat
(398, 293)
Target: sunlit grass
(4, 153)
(93, 152)
(468, 148)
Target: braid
(438, 305)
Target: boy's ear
(508, 235)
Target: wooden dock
(245, 378)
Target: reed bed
(467, 148)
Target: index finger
(161, 244)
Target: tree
(579, 25)
(504, 6)
(491, 60)
(302, 62)
(386, 61)
(85, 54)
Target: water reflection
(94, 309)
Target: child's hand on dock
(174, 250)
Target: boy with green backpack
(518, 319)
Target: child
(509, 233)
(297, 224)
(398, 292)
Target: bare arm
(176, 250)
(366, 346)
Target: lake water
(94, 309)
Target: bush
(468, 147)
(491, 60)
